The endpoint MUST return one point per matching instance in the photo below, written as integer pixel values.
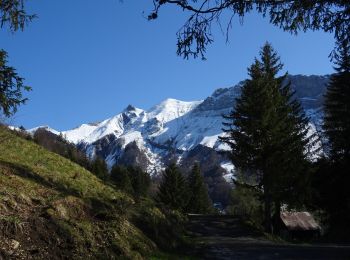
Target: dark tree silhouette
(337, 105)
(13, 15)
(199, 201)
(331, 181)
(268, 135)
(99, 168)
(140, 181)
(120, 176)
(11, 87)
(173, 189)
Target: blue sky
(87, 61)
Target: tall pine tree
(11, 87)
(267, 132)
(100, 169)
(334, 177)
(120, 176)
(337, 105)
(199, 201)
(140, 181)
(173, 189)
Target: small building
(299, 225)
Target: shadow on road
(225, 237)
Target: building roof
(299, 221)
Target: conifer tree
(173, 189)
(292, 16)
(13, 15)
(11, 87)
(140, 181)
(120, 176)
(337, 105)
(267, 132)
(99, 168)
(333, 177)
(199, 201)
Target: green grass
(51, 169)
(11, 219)
(57, 202)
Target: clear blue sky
(87, 59)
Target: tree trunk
(268, 222)
(276, 217)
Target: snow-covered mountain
(178, 130)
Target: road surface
(224, 237)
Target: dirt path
(224, 237)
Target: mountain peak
(170, 102)
(130, 108)
(174, 127)
(171, 108)
(219, 92)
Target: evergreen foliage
(140, 181)
(131, 179)
(268, 135)
(332, 177)
(99, 168)
(173, 189)
(13, 14)
(292, 16)
(120, 177)
(199, 201)
(11, 87)
(245, 202)
(337, 105)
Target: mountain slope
(176, 127)
(181, 131)
(50, 208)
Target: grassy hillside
(53, 208)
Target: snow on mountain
(185, 132)
(89, 133)
(47, 128)
(178, 130)
(229, 168)
(171, 109)
(80, 133)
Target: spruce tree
(337, 105)
(120, 176)
(140, 181)
(99, 168)
(267, 132)
(199, 201)
(11, 87)
(173, 189)
(333, 178)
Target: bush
(165, 227)
(245, 204)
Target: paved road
(224, 237)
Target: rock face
(181, 131)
